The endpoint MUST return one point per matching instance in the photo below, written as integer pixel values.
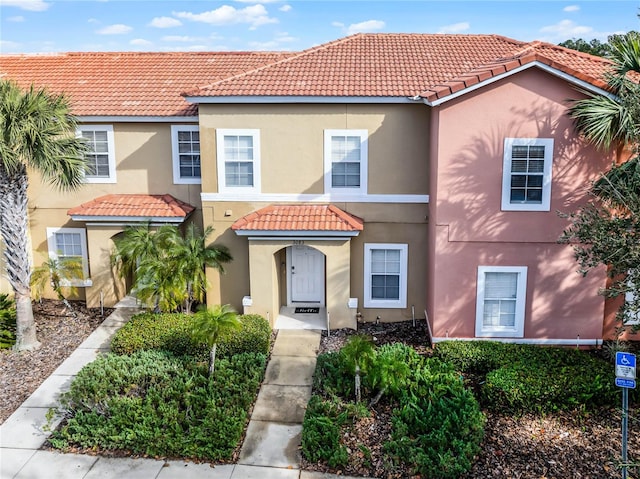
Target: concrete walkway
(271, 447)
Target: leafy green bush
(437, 423)
(529, 378)
(438, 427)
(545, 385)
(7, 322)
(172, 332)
(157, 404)
(253, 336)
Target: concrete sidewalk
(271, 447)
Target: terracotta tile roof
(299, 218)
(129, 84)
(138, 206)
(401, 65)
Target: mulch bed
(60, 333)
(581, 445)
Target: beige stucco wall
(292, 137)
(143, 153)
(468, 228)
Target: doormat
(307, 310)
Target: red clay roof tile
(299, 218)
(129, 83)
(145, 206)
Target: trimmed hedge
(157, 404)
(172, 332)
(529, 378)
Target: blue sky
(33, 26)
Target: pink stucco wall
(468, 228)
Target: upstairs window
(100, 158)
(185, 141)
(345, 161)
(238, 154)
(526, 176)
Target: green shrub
(546, 385)
(332, 375)
(475, 357)
(157, 404)
(439, 426)
(253, 336)
(7, 322)
(172, 332)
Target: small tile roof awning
(299, 220)
(134, 208)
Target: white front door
(306, 275)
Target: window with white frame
(100, 155)
(238, 153)
(632, 318)
(185, 143)
(70, 243)
(501, 299)
(526, 174)
(385, 275)
(345, 161)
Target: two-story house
(376, 177)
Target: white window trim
(629, 297)
(364, 167)
(521, 297)
(382, 303)
(111, 153)
(175, 156)
(545, 205)
(220, 134)
(53, 252)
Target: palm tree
(359, 353)
(613, 121)
(210, 324)
(59, 273)
(191, 255)
(37, 132)
(168, 268)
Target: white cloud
(165, 22)
(285, 8)
(254, 15)
(178, 38)
(7, 45)
(117, 29)
(362, 27)
(337, 24)
(571, 8)
(140, 42)
(257, 1)
(455, 28)
(278, 43)
(93, 20)
(31, 5)
(17, 19)
(566, 29)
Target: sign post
(626, 379)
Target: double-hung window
(185, 142)
(526, 174)
(385, 275)
(500, 302)
(238, 153)
(345, 162)
(100, 162)
(66, 244)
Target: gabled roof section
(132, 208)
(306, 219)
(129, 83)
(408, 66)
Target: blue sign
(626, 383)
(625, 365)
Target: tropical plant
(605, 231)
(60, 274)
(7, 322)
(168, 267)
(209, 326)
(37, 132)
(358, 353)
